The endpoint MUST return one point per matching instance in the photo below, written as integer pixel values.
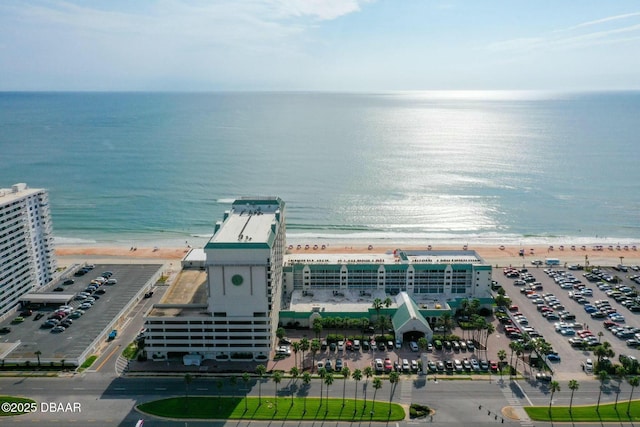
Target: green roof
(404, 315)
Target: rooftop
(350, 301)
(390, 257)
(16, 192)
(249, 222)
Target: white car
(413, 346)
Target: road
(107, 401)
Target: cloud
(570, 37)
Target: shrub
(417, 410)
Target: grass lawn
(17, 406)
(87, 363)
(130, 351)
(211, 407)
(607, 413)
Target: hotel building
(233, 295)
(232, 313)
(27, 258)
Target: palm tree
(573, 386)
(602, 377)
(296, 348)
(328, 380)
(502, 356)
(317, 326)
(260, 370)
(295, 372)
(188, 378)
(315, 348)
(38, 353)
(553, 387)
(219, 385)
(346, 372)
(368, 373)
(377, 385)
(233, 380)
(304, 346)
(377, 306)
(277, 378)
(423, 343)
(322, 373)
(633, 382)
(387, 302)
(394, 378)
(306, 379)
(383, 322)
(488, 329)
(446, 322)
(245, 379)
(620, 373)
(516, 348)
(357, 376)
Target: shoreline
(501, 255)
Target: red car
(388, 366)
(493, 365)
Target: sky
(319, 45)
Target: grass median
(606, 413)
(282, 408)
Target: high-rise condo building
(27, 258)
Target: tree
(328, 380)
(633, 382)
(346, 372)
(602, 377)
(260, 370)
(277, 378)
(553, 387)
(245, 379)
(315, 348)
(304, 346)
(620, 373)
(357, 376)
(573, 386)
(377, 385)
(233, 380)
(445, 322)
(322, 373)
(368, 373)
(423, 343)
(296, 348)
(383, 323)
(488, 329)
(502, 356)
(317, 326)
(387, 302)
(394, 378)
(188, 378)
(38, 353)
(306, 379)
(516, 348)
(219, 385)
(295, 372)
(377, 306)
(280, 333)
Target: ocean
(395, 167)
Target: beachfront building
(229, 310)
(429, 282)
(27, 258)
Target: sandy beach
(494, 255)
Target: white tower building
(27, 258)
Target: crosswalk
(122, 365)
(516, 403)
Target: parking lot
(29, 336)
(570, 365)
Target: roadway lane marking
(160, 388)
(108, 357)
(119, 388)
(79, 388)
(202, 389)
